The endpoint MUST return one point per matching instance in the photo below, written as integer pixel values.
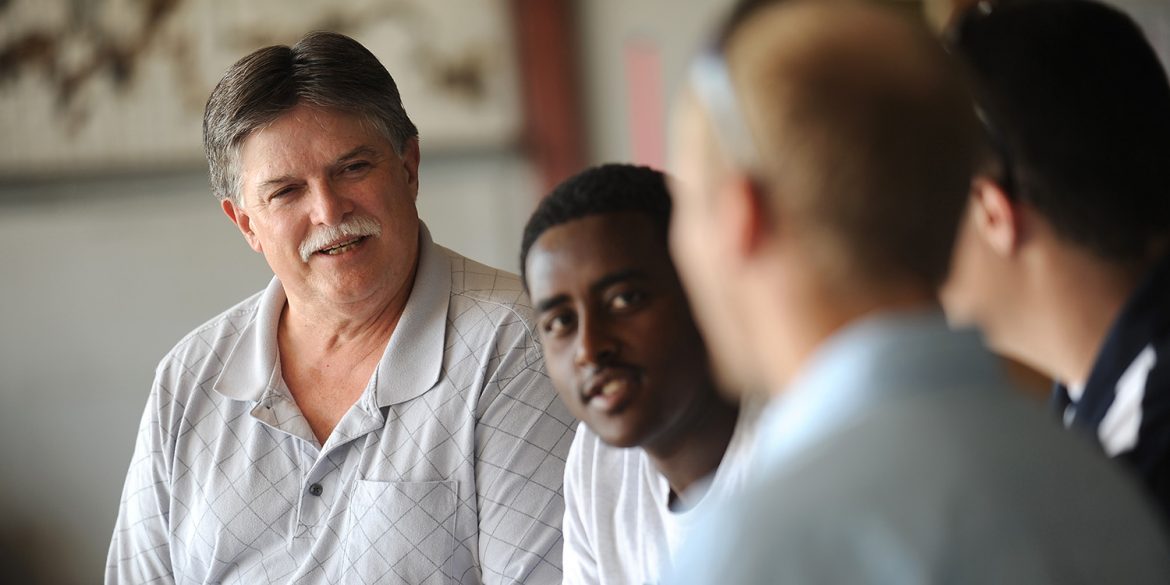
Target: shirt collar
(876, 360)
(1144, 315)
(251, 369)
(410, 365)
(413, 359)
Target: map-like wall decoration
(90, 86)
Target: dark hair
(609, 188)
(327, 70)
(1079, 108)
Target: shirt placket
(328, 474)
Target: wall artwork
(96, 86)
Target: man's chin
(957, 315)
(732, 373)
(618, 434)
(345, 290)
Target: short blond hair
(866, 134)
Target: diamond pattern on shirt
(459, 484)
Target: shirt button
(315, 489)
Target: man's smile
(342, 246)
(611, 390)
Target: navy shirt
(1125, 404)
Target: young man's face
(961, 294)
(980, 289)
(619, 340)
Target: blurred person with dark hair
(824, 156)
(1063, 256)
(380, 412)
(657, 442)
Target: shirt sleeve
(523, 436)
(140, 548)
(1129, 417)
(1150, 457)
(580, 564)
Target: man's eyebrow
(263, 185)
(362, 150)
(551, 303)
(602, 283)
(616, 277)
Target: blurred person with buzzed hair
(823, 153)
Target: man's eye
(558, 324)
(356, 167)
(282, 192)
(625, 300)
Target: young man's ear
(998, 218)
(242, 221)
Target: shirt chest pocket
(401, 532)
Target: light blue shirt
(866, 365)
(901, 455)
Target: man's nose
(329, 205)
(596, 345)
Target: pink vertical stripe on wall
(645, 103)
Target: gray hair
(326, 70)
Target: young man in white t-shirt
(658, 442)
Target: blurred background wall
(106, 266)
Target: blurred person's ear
(997, 217)
(745, 221)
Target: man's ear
(410, 161)
(997, 217)
(745, 215)
(242, 221)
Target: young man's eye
(626, 300)
(559, 324)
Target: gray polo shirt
(447, 469)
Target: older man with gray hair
(380, 412)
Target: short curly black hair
(608, 188)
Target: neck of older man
(328, 352)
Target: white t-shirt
(618, 529)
